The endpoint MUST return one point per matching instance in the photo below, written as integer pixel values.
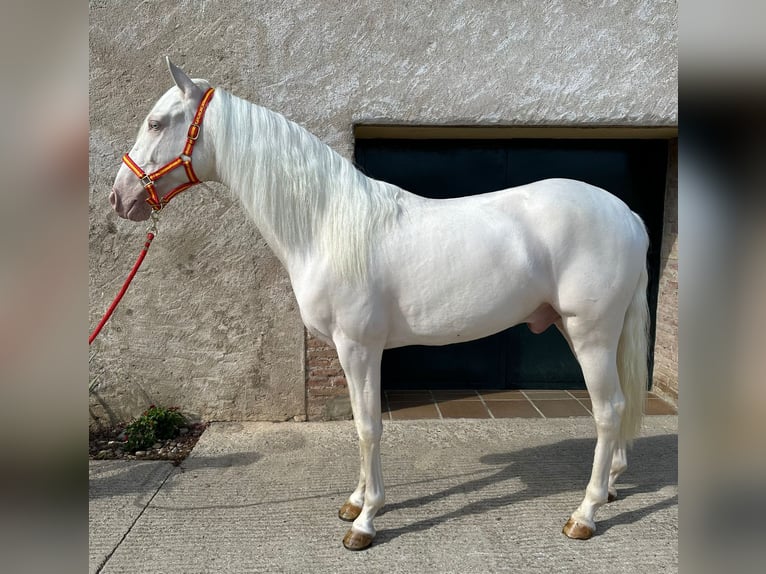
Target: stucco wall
(211, 324)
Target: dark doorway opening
(633, 170)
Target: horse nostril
(113, 199)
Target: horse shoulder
(331, 305)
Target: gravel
(109, 444)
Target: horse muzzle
(134, 210)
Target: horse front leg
(352, 508)
(361, 364)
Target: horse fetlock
(596, 496)
(374, 501)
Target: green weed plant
(155, 424)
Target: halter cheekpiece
(182, 160)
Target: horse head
(160, 163)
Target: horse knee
(369, 432)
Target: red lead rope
(113, 306)
(155, 201)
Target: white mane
(297, 189)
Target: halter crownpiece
(182, 160)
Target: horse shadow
(566, 466)
(116, 478)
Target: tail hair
(632, 361)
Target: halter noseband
(182, 160)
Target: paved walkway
(462, 496)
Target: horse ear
(190, 89)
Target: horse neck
(306, 200)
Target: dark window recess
(633, 170)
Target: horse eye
(154, 125)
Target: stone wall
(210, 324)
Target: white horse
(375, 267)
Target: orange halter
(182, 160)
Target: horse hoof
(357, 540)
(349, 512)
(611, 497)
(578, 530)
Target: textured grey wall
(211, 324)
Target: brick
(665, 375)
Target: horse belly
(448, 289)
(443, 329)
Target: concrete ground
(462, 496)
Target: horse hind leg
(619, 459)
(619, 465)
(597, 356)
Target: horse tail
(632, 357)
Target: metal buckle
(146, 181)
(196, 132)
